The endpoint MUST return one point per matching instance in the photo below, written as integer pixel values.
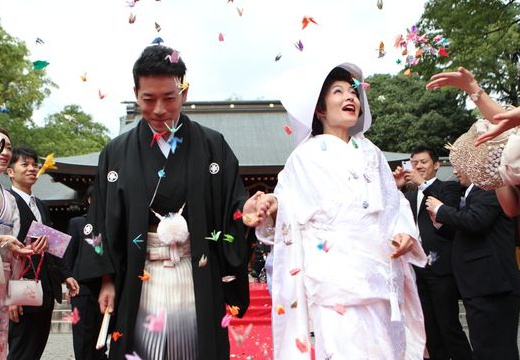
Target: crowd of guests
(365, 262)
(23, 325)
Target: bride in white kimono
(343, 234)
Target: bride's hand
(258, 208)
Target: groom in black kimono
(166, 163)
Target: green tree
(70, 132)
(405, 114)
(22, 88)
(484, 37)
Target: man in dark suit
(485, 268)
(445, 338)
(85, 332)
(30, 325)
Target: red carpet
(258, 344)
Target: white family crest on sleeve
(87, 229)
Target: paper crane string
(96, 243)
(173, 141)
(49, 164)
(431, 44)
(173, 57)
(162, 174)
(40, 64)
(157, 41)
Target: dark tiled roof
(45, 188)
(258, 139)
(253, 129)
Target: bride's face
(342, 107)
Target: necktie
(420, 198)
(462, 202)
(34, 209)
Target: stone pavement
(59, 346)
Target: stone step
(58, 325)
(58, 314)
(61, 327)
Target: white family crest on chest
(214, 168)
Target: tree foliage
(484, 37)
(70, 132)
(405, 114)
(22, 88)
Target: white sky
(96, 38)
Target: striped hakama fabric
(166, 326)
